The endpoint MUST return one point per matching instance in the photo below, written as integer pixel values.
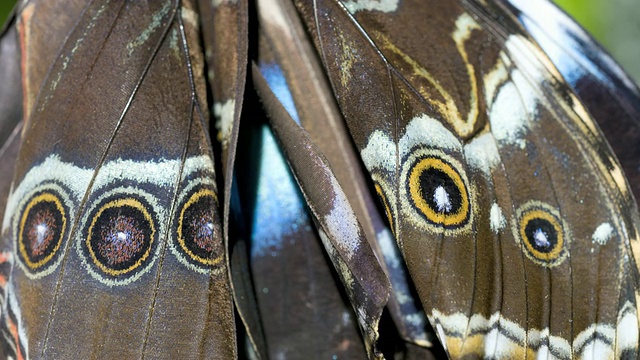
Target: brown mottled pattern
(117, 83)
(563, 163)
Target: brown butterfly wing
(114, 214)
(499, 186)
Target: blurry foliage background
(614, 23)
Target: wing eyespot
(542, 233)
(41, 226)
(41, 231)
(437, 190)
(119, 237)
(197, 230)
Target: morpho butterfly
(398, 178)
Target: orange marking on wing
(5, 256)
(14, 333)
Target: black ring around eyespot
(120, 236)
(385, 203)
(542, 233)
(438, 192)
(42, 227)
(197, 234)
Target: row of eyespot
(438, 193)
(121, 230)
(119, 235)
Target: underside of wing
(114, 214)
(410, 178)
(498, 185)
(610, 96)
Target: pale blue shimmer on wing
(278, 84)
(572, 69)
(280, 208)
(412, 315)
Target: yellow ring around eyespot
(541, 214)
(416, 194)
(44, 197)
(194, 198)
(130, 202)
(387, 209)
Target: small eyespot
(197, 233)
(119, 237)
(42, 228)
(542, 233)
(438, 192)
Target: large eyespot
(437, 189)
(120, 236)
(40, 229)
(542, 233)
(197, 233)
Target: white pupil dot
(41, 232)
(441, 198)
(122, 236)
(540, 237)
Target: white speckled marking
(51, 169)
(603, 233)
(627, 329)
(354, 6)
(342, 223)
(508, 117)
(224, 118)
(161, 173)
(189, 16)
(497, 220)
(482, 154)
(426, 131)
(380, 152)
(422, 131)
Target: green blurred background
(614, 23)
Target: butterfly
(426, 179)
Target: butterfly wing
(10, 106)
(611, 97)
(509, 208)
(302, 309)
(10, 92)
(291, 64)
(114, 217)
